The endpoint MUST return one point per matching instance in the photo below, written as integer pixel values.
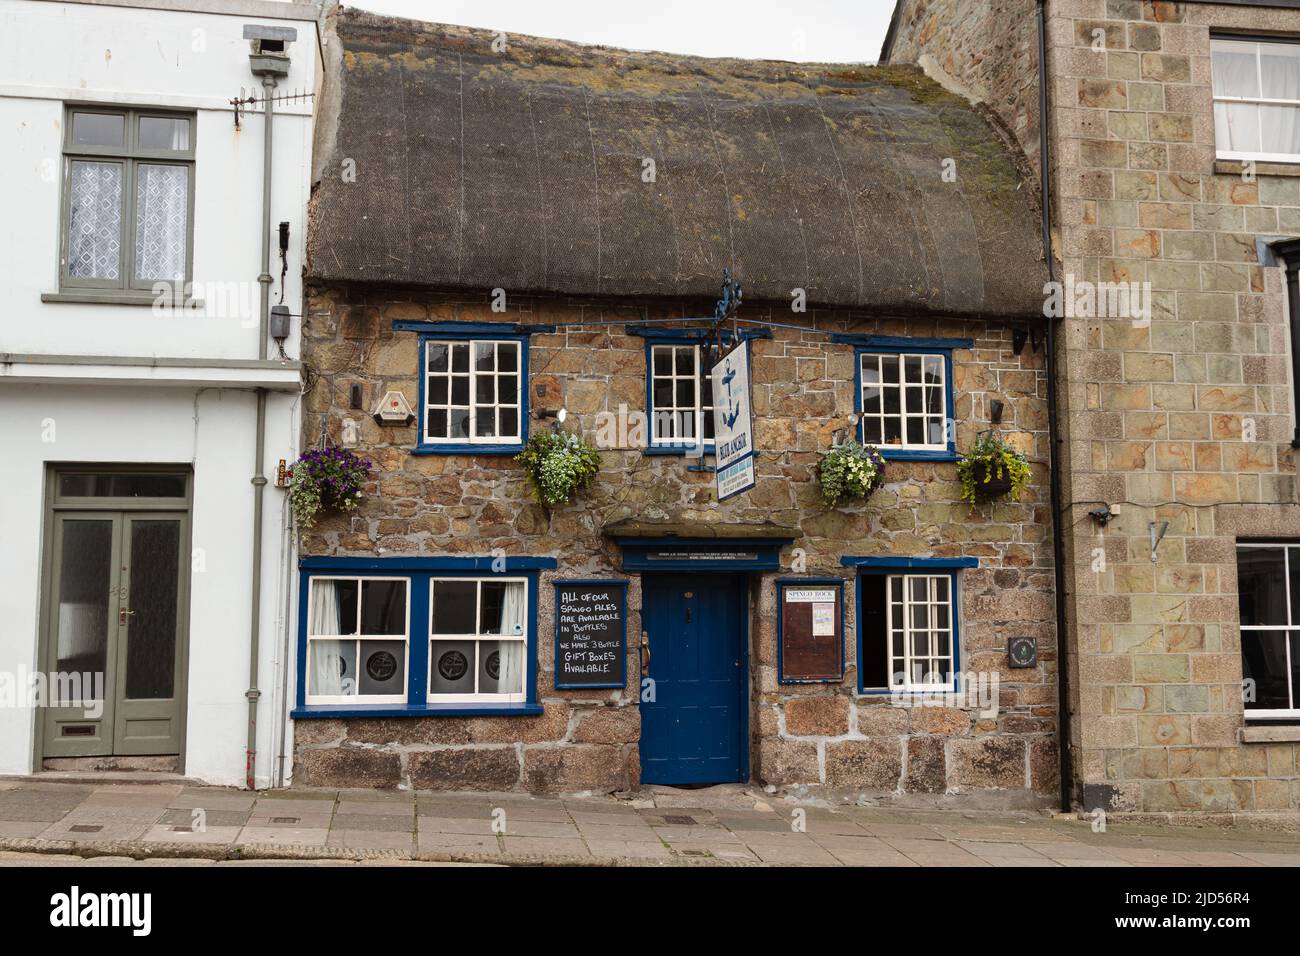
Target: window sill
(916, 454)
(108, 297)
(467, 449)
(321, 711)
(912, 698)
(681, 451)
(1235, 167)
(1269, 733)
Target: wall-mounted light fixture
(995, 411)
(559, 414)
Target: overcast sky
(832, 31)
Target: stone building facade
(1185, 419)
(811, 734)
(812, 183)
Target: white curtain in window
(1233, 68)
(1280, 69)
(512, 652)
(95, 220)
(323, 618)
(162, 217)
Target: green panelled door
(115, 637)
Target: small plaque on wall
(810, 622)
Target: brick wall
(1158, 416)
(802, 390)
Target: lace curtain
(161, 218)
(95, 223)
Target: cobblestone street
(64, 823)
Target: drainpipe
(268, 66)
(1288, 251)
(1053, 427)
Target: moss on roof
(528, 169)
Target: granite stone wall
(819, 735)
(1185, 418)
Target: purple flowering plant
(326, 479)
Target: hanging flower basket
(990, 480)
(992, 470)
(559, 464)
(326, 479)
(850, 470)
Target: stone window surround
(420, 571)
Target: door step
(147, 765)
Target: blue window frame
(679, 391)
(473, 388)
(908, 621)
(417, 636)
(904, 396)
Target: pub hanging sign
(733, 425)
(810, 621)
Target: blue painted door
(695, 730)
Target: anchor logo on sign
(733, 410)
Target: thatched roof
(527, 170)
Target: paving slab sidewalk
(658, 827)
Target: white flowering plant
(559, 464)
(850, 470)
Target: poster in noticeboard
(810, 615)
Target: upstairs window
(128, 186)
(1256, 99)
(1268, 587)
(681, 400)
(905, 400)
(473, 395)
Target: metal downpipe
(1053, 430)
(259, 479)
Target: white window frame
(703, 413)
(903, 415)
(1275, 713)
(907, 685)
(474, 405)
(358, 638)
(1258, 101)
(522, 638)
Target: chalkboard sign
(590, 634)
(810, 625)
